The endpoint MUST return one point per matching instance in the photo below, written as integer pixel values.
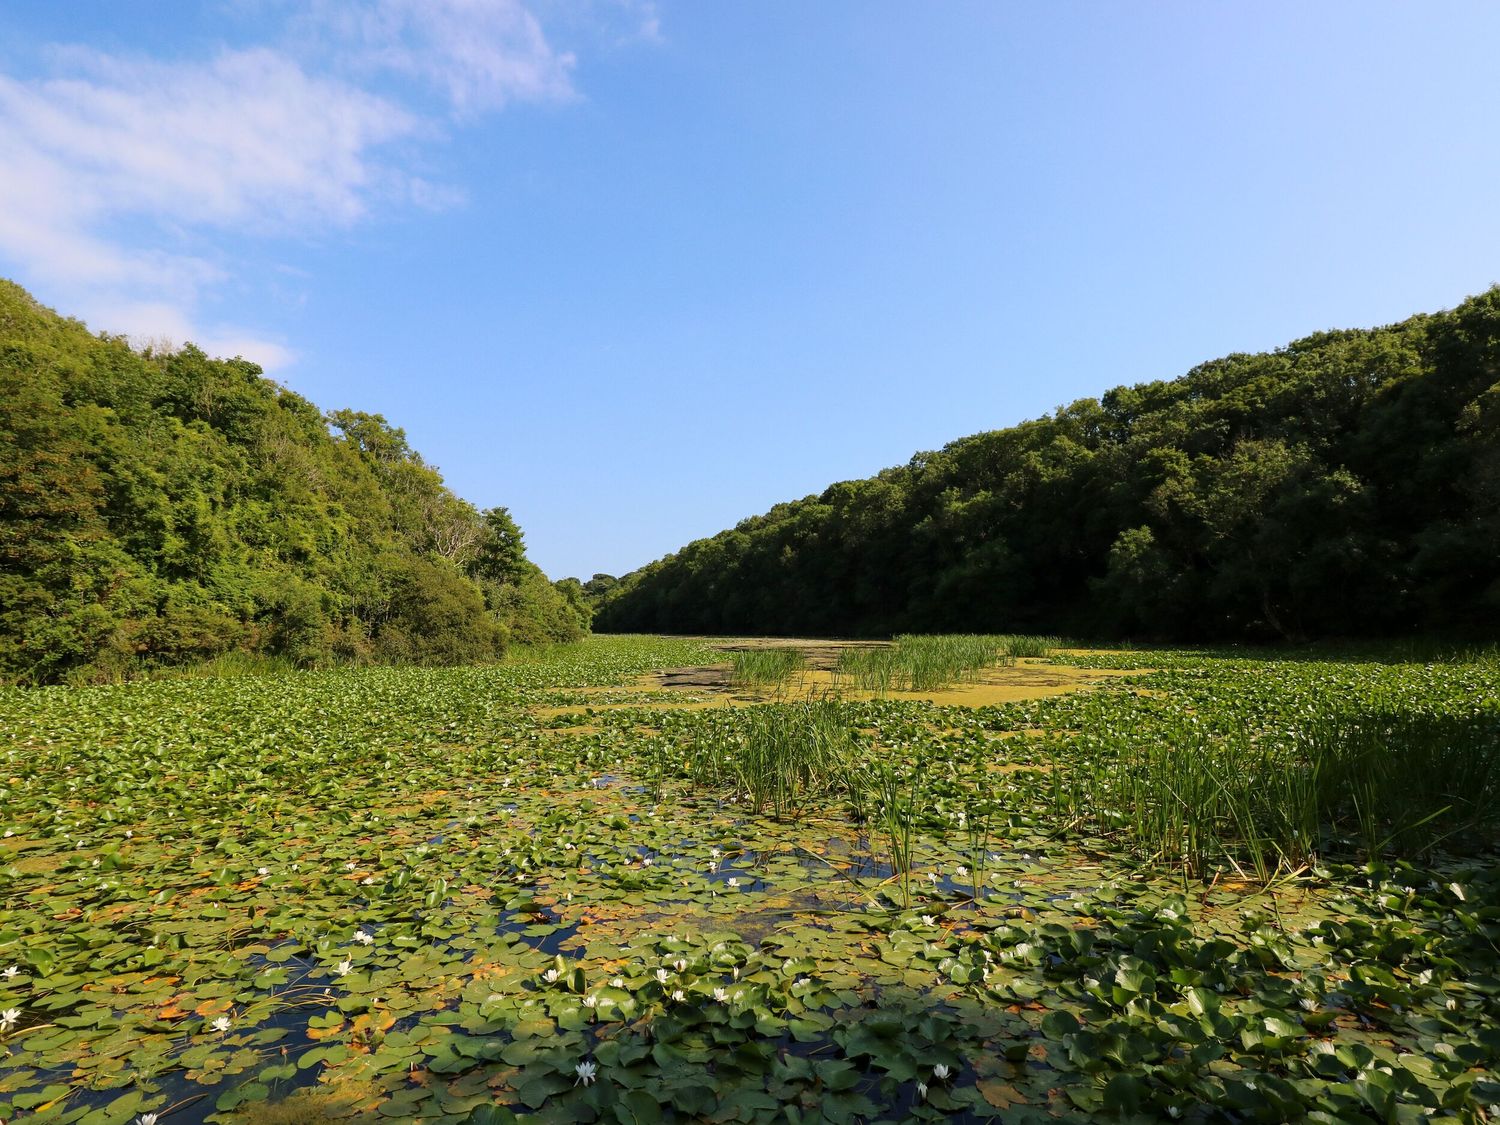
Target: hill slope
(166, 508)
(1346, 484)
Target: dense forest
(160, 509)
(1345, 485)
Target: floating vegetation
(401, 894)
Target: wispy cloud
(256, 141)
(482, 54)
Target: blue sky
(639, 270)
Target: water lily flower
(350, 866)
(1173, 1112)
(343, 967)
(661, 976)
(591, 1001)
(941, 1072)
(146, 1119)
(262, 870)
(222, 1024)
(733, 883)
(646, 862)
(721, 995)
(932, 877)
(586, 1072)
(618, 982)
(1308, 1004)
(714, 853)
(9, 1018)
(928, 920)
(921, 1090)
(961, 871)
(363, 938)
(550, 976)
(129, 834)
(679, 964)
(679, 996)
(11, 973)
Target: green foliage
(1345, 485)
(448, 894)
(162, 509)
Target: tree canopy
(160, 508)
(1347, 484)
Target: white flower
(262, 870)
(941, 1072)
(129, 834)
(222, 1024)
(343, 967)
(550, 976)
(679, 964)
(961, 871)
(679, 996)
(661, 976)
(350, 866)
(932, 877)
(733, 883)
(11, 972)
(591, 1001)
(586, 1071)
(1308, 1004)
(618, 982)
(1173, 1112)
(714, 853)
(9, 1018)
(721, 995)
(921, 1090)
(646, 862)
(363, 938)
(146, 1119)
(928, 920)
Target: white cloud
(482, 54)
(117, 173)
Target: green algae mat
(542, 889)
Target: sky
(638, 270)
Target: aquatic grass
(782, 755)
(1263, 803)
(921, 662)
(766, 667)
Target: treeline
(162, 509)
(1345, 485)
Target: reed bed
(918, 662)
(1267, 803)
(766, 667)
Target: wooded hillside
(1347, 484)
(166, 508)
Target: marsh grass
(1269, 803)
(766, 667)
(782, 756)
(918, 662)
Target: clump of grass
(918, 662)
(781, 756)
(766, 667)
